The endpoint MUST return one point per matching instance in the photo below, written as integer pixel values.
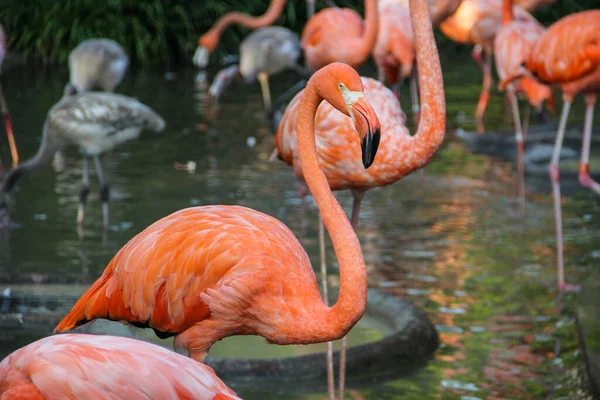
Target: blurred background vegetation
(160, 31)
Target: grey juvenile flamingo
(96, 122)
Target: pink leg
(358, 196)
(584, 165)
(9, 131)
(330, 378)
(520, 146)
(555, 175)
(484, 97)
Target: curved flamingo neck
(507, 12)
(211, 38)
(432, 124)
(367, 41)
(333, 321)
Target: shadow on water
(452, 243)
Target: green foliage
(155, 31)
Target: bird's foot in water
(567, 287)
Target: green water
(453, 243)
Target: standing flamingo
(3, 107)
(105, 367)
(205, 273)
(568, 55)
(97, 64)
(512, 45)
(394, 50)
(400, 152)
(476, 22)
(96, 122)
(264, 52)
(339, 35)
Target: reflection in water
(453, 243)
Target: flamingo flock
(205, 273)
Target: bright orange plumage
(105, 367)
(569, 51)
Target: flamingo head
(348, 97)
(206, 45)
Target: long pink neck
(507, 12)
(331, 322)
(268, 18)
(364, 45)
(432, 124)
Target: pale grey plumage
(94, 121)
(264, 52)
(97, 64)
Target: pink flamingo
(3, 107)
(568, 56)
(399, 154)
(512, 45)
(339, 35)
(105, 367)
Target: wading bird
(105, 367)
(476, 22)
(394, 51)
(400, 153)
(205, 273)
(96, 122)
(568, 56)
(3, 107)
(97, 64)
(512, 45)
(266, 51)
(340, 35)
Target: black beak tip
(369, 146)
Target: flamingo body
(105, 367)
(339, 154)
(512, 46)
(394, 50)
(97, 64)
(568, 54)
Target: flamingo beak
(368, 127)
(201, 57)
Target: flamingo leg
(9, 131)
(263, 78)
(555, 176)
(484, 97)
(358, 196)
(85, 190)
(414, 96)
(520, 146)
(310, 8)
(584, 165)
(104, 190)
(330, 377)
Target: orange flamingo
(105, 367)
(4, 108)
(512, 45)
(205, 273)
(476, 22)
(400, 152)
(339, 35)
(568, 55)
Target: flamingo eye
(340, 86)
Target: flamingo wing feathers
(76, 366)
(569, 50)
(163, 277)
